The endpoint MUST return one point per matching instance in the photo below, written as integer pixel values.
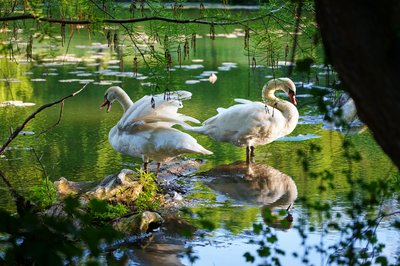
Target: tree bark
(362, 42)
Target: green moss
(43, 195)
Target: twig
(58, 121)
(15, 133)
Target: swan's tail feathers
(201, 150)
(205, 151)
(188, 118)
(194, 129)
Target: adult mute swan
(255, 123)
(145, 129)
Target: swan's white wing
(169, 142)
(166, 108)
(157, 118)
(244, 123)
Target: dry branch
(15, 133)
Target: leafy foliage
(104, 212)
(44, 195)
(147, 199)
(33, 239)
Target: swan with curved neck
(249, 123)
(145, 129)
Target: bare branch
(136, 20)
(58, 121)
(15, 133)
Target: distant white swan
(249, 124)
(144, 129)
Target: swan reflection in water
(257, 183)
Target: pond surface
(225, 191)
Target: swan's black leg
(247, 155)
(158, 169)
(252, 151)
(146, 167)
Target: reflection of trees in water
(257, 184)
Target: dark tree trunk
(362, 41)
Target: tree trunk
(362, 41)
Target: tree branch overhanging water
(136, 20)
(16, 132)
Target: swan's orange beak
(106, 102)
(292, 97)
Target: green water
(78, 147)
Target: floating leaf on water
(15, 104)
(68, 80)
(84, 74)
(93, 64)
(147, 84)
(128, 74)
(229, 64)
(26, 133)
(110, 73)
(102, 83)
(311, 119)
(231, 36)
(197, 60)
(304, 95)
(190, 67)
(50, 74)
(208, 73)
(300, 137)
(113, 67)
(224, 68)
(284, 63)
(11, 80)
(113, 62)
(141, 78)
(20, 148)
(190, 82)
(38, 80)
(84, 81)
(76, 72)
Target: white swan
(255, 123)
(144, 129)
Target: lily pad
(300, 137)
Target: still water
(224, 190)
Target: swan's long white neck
(288, 110)
(123, 98)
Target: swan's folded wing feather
(156, 118)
